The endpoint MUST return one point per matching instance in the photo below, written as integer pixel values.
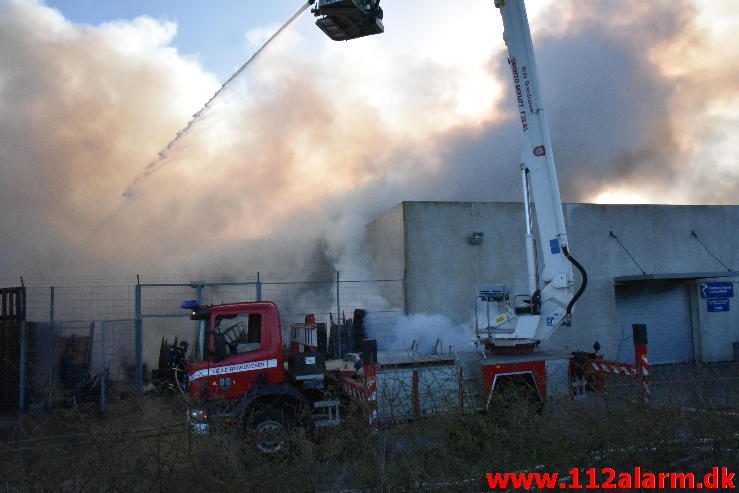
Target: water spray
(160, 160)
(132, 191)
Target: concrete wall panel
(443, 271)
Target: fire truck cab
(241, 373)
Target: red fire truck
(241, 373)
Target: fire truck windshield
(243, 332)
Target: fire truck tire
(269, 430)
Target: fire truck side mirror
(220, 347)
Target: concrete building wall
(385, 242)
(443, 270)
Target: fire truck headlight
(198, 421)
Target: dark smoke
(283, 175)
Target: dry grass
(142, 445)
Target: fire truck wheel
(269, 430)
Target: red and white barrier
(364, 390)
(588, 370)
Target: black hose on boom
(583, 285)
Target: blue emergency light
(191, 305)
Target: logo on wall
(540, 151)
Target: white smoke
(422, 333)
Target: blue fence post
(52, 343)
(104, 372)
(199, 293)
(139, 342)
(338, 311)
(259, 287)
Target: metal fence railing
(96, 342)
(77, 361)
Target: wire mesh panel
(117, 350)
(65, 353)
(10, 340)
(162, 317)
(296, 299)
(381, 324)
(115, 330)
(63, 363)
(40, 365)
(419, 391)
(93, 303)
(219, 293)
(38, 303)
(165, 300)
(383, 300)
(74, 303)
(12, 331)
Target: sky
(317, 138)
(213, 31)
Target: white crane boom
(551, 294)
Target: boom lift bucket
(343, 20)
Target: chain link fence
(96, 342)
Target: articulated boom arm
(537, 156)
(551, 293)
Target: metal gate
(664, 307)
(12, 317)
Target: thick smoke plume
(283, 173)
